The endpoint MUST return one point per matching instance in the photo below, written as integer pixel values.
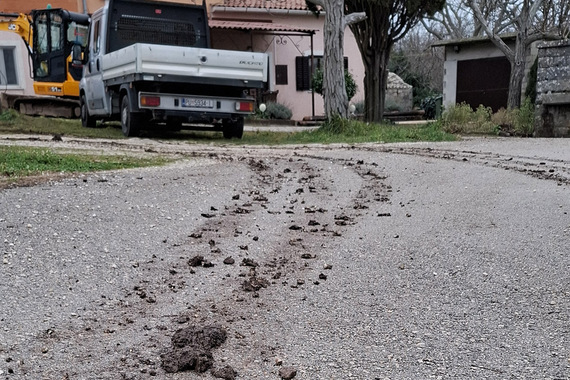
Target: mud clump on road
(192, 349)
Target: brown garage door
(483, 81)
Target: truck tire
(86, 120)
(130, 121)
(233, 128)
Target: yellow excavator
(51, 35)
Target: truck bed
(184, 64)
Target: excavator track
(42, 106)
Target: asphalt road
(374, 261)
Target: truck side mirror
(76, 55)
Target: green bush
(429, 105)
(8, 115)
(277, 111)
(524, 124)
(461, 118)
(517, 122)
(350, 84)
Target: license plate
(197, 103)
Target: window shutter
(303, 73)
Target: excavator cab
(58, 35)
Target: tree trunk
(372, 37)
(375, 81)
(334, 93)
(518, 65)
(373, 90)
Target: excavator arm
(20, 24)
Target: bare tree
(456, 20)
(531, 21)
(336, 101)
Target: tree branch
(532, 12)
(439, 36)
(541, 36)
(353, 18)
(507, 51)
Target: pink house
(293, 38)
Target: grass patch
(13, 122)
(18, 162)
(462, 119)
(334, 131)
(351, 132)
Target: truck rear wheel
(233, 128)
(86, 120)
(130, 121)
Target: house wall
(283, 49)
(553, 90)
(479, 50)
(452, 57)
(22, 66)
(19, 6)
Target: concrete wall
(553, 90)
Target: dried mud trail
(118, 261)
(325, 262)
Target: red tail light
(244, 106)
(150, 101)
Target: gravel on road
(371, 261)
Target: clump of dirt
(258, 164)
(192, 349)
(199, 260)
(254, 283)
(227, 373)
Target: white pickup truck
(150, 64)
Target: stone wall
(553, 90)
(399, 94)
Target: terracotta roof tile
(252, 25)
(267, 4)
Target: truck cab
(150, 64)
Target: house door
(483, 81)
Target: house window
(303, 70)
(281, 74)
(8, 74)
